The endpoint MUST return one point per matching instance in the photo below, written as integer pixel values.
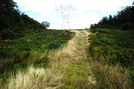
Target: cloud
(37, 5)
(87, 11)
(84, 20)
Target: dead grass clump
(34, 78)
(111, 77)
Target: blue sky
(87, 11)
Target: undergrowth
(17, 54)
(112, 52)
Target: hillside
(79, 64)
(112, 54)
(123, 20)
(69, 67)
(34, 57)
(14, 23)
(112, 50)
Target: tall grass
(112, 58)
(20, 53)
(68, 68)
(111, 76)
(33, 78)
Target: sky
(80, 14)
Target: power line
(65, 11)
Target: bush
(8, 34)
(113, 46)
(126, 26)
(55, 44)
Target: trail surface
(74, 63)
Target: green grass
(76, 77)
(111, 47)
(19, 53)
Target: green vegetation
(15, 24)
(76, 76)
(77, 71)
(24, 41)
(19, 53)
(112, 48)
(123, 20)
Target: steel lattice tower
(65, 11)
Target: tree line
(123, 20)
(15, 24)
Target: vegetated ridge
(112, 50)
(14, 23)
(123, 20)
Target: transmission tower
(65, 11)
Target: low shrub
(114, 45)
(29, 49)
(126, 26)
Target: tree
(13, 23)
(7, 10)
(45, 23)
(123, 20)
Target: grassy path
(77, 72)
(69, 68)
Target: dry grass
(77, 71)
(68, 68)
(65, 62)
(34, 78)
(111, 77)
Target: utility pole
(65, 11)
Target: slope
(69, 68)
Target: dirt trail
(69, 68)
